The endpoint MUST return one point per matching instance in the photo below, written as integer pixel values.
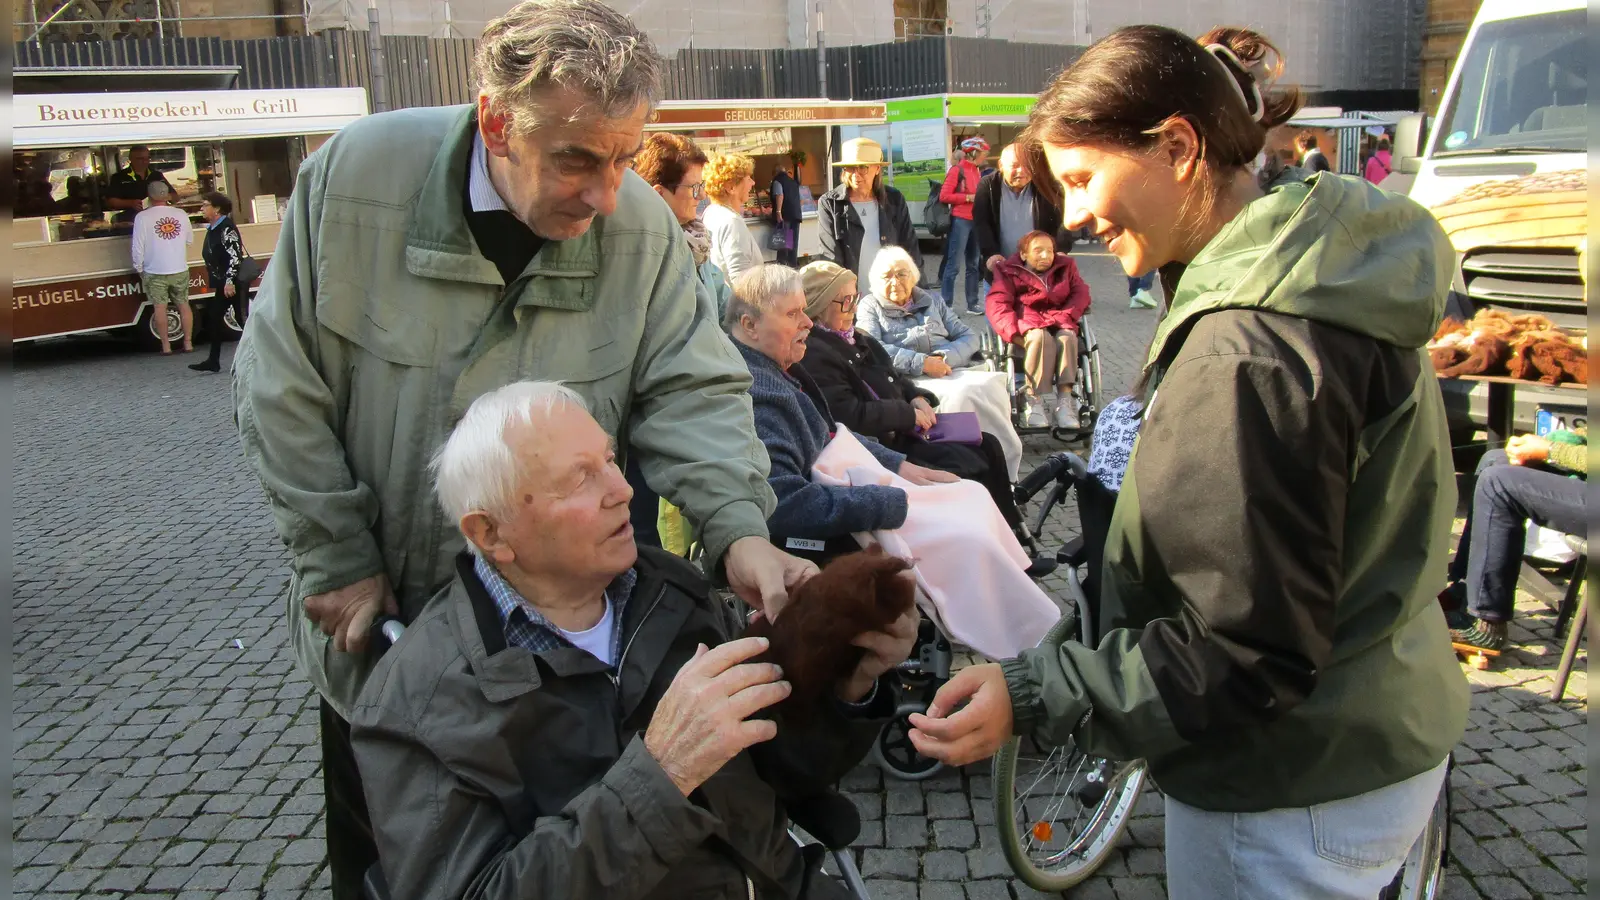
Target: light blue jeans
(1341, 850)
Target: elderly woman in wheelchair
(1036, 303)
(554, 724)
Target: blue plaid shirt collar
(525, 627)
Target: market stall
(797, 133)
(81, 163)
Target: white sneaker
(1036, 416)
(1143, 299)
(1066, 411)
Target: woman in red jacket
(1036, 302)
(961, 248)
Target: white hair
(885, 260)
(755, 292)
(475, 470)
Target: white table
(988, 395)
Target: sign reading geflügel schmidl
(45, 120)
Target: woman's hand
(993, 261)
(227, 289)
(923, 477)
(885, 650)
(926, 417)
(935, 367)
(1526, 448)
(978, 730)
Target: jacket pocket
(382, 329)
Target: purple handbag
(955, 428)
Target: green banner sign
(911, 110)
(998, 107)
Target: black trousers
(352, 849)
(216, 308)
(985, 464)
(790, 257)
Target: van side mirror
(1410, 134)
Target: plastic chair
(1573, 617)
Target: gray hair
(158, 190)
(582, 45)
(475, 470)
(884, 261)
(757, 290)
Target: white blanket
(970, 570)
(988, 395)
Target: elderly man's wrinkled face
(1013, 170)
(558, 176)
(568, 521)
(781, 331)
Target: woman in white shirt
(733, 248)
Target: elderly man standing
(160, 250)
(1008, 209)
(493, 243)
(575, 716)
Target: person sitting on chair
(854, 379)
(1530, 479)
(920, 331)
(768, 322)
(573, 715)
(1036, 303)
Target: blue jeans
(1340, 850)
(1142, 283)
(1489, 557)
(961, 247)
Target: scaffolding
(111, 20)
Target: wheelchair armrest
(827, 816)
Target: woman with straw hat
(863, 215)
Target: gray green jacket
(380, 322)
(1271, 635)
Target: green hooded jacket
(1271, 637)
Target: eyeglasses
(696, 190)
(898, 274)
(848, 303)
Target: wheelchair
(1008, 358)
(829, 818)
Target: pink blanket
(970, 570)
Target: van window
(85, 192)
(1522, 88)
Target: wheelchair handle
(1066, 467)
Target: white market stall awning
(1332, 117)
(76, 120)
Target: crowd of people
(456, 402)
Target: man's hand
(1526, 448)
(926, 417)
(885, 650)
(993, 261)
(762, 575)
(700, 722)
(974, 733)
(935, 367)
(348, 613)
(919, 475)
(227, 290)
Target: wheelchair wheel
(1423, 871)
(894, 753)
(1089, 367)
(1060, 812)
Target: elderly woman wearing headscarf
(852, 376)
(768, 322)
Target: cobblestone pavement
(165, 746)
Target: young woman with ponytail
(1271, 643)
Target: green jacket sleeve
(289, 415)
(692, 421)
(1238, 529)
(1571, 457)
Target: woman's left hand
(926, 417)
(974, 733)
(885, 650)
(918, 475)
(1527, 448)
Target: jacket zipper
(615, 674)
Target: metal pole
(822, 56)
(380, 78)
(53, 16)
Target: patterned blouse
(1114, 434)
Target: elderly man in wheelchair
(576, 716)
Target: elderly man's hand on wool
(762, 575)
(347, 614)
(886, 649)
(923, 476)
(701, 721)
